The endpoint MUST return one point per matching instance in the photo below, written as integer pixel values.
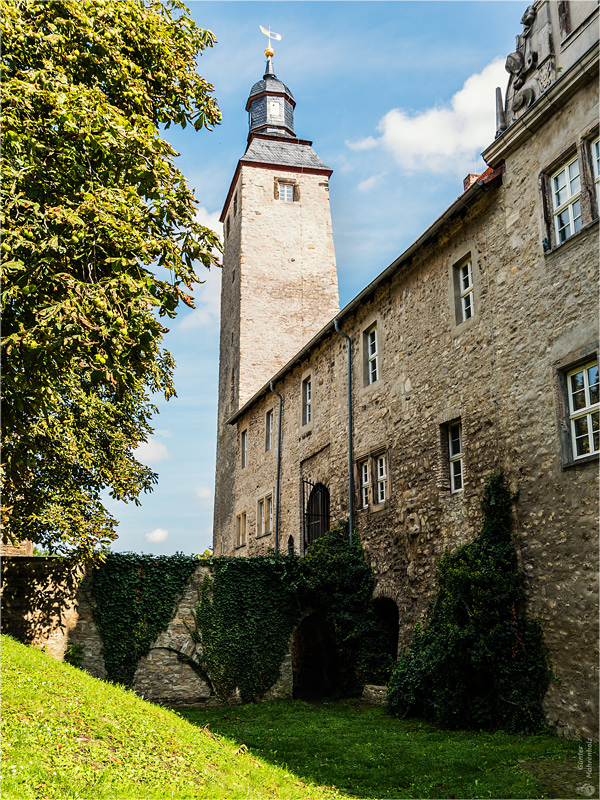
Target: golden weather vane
(269, 52)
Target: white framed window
(566, 190)
(306, 401)
(596, 168)
(264, 514)
(286, 192)
(240, 529)
(364, 483)
(467, 295)
(371, 356)
(269, 430)
(582, 384)
(455, 451)
(381, 466)
(244, 448)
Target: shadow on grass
(365, 753)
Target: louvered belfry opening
(315, 502)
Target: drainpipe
(350, 451)
(278, 469)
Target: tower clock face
(274, 108)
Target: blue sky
(398, 98)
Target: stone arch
(314, 657)
(290, 546)
(388, 621)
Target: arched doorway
(314, 659)
(388, 623)
(316, 512)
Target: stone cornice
(513, 137)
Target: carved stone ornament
(523, 99)
(546, 75)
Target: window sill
(263, 535)
(239, 546)
(593, 458)
(575, 236)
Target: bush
(479, 663)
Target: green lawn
(366, 753)
(68, 735)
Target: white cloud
(447, 138)
(205, 495)
(207, 294)
(210, 220)
(370, 183)
(157, 535)
(152, 452)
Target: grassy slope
(68, 735)
(366, 753)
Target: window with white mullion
(381, 478)
(364, 484)
(566, 189)
(306, 401)
(240, 524)
(466, 290)
(268, 513)
(373, 356)
(286, 192)
(269, 430)
(584, 409)
(456, 457)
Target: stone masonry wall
(279, 288)
(45, 604)
(501, 373)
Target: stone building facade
(476, 349)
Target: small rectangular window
(582, 384)
(456, 456)
(264, 514)
(566, 189)
(286, 192)
(240, 529)
(381, 479)
(371, 347)
(269, 430)
(244, 448)
(364, 484)
(306, 401)
(466, 290)
(235, 205)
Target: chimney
(470, 180)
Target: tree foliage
(92, 205)
(478, 662)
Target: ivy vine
(479, 662)
(248, 609)
(134, 597)
(245, 616)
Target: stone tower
(279, 281)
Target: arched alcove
(388, 622)
(314, 660)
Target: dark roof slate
(293, 154)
